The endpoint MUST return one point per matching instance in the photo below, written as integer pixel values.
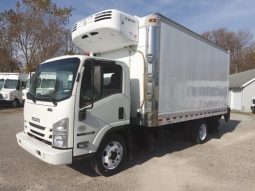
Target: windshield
(1, 83)
(54, 80)
(10, 84)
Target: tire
(199, 131)
(15, 103)
(112, 148)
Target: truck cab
(69, 119)
(11, 85)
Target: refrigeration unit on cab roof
(105, 31)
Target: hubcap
(202, 132)
(112, 155)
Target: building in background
(242, 90)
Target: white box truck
(143, 73)
(11, 85)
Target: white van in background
(28, 83)
(11, 85)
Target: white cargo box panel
(193, 72)
(106, 31)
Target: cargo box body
(176, 75)
(192, 77)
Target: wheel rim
(202, 132)
(112, 155)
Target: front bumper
(43, 151)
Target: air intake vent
(103, 16)
(74, 27)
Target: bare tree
(239, 43)
(68, 45)
(38, 30)
(8, 63)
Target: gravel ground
(227, 163)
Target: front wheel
(110, 156)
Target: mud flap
(227, 115)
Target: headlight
(60, 134)
(6, 96)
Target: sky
(197, 15)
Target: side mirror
(82, 115)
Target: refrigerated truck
(142, 74)
(11, 85)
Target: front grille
(40, 134)
(36, 126)
(103, 16)
(43, 134)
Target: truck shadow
(165, 143)
(9, 107)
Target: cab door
(100, 93)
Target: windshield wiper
(53, 100)
(31, 96)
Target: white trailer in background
(143, 73)
(11, 85)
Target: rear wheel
(199, 131)
(110, 156)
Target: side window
(111, 81)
